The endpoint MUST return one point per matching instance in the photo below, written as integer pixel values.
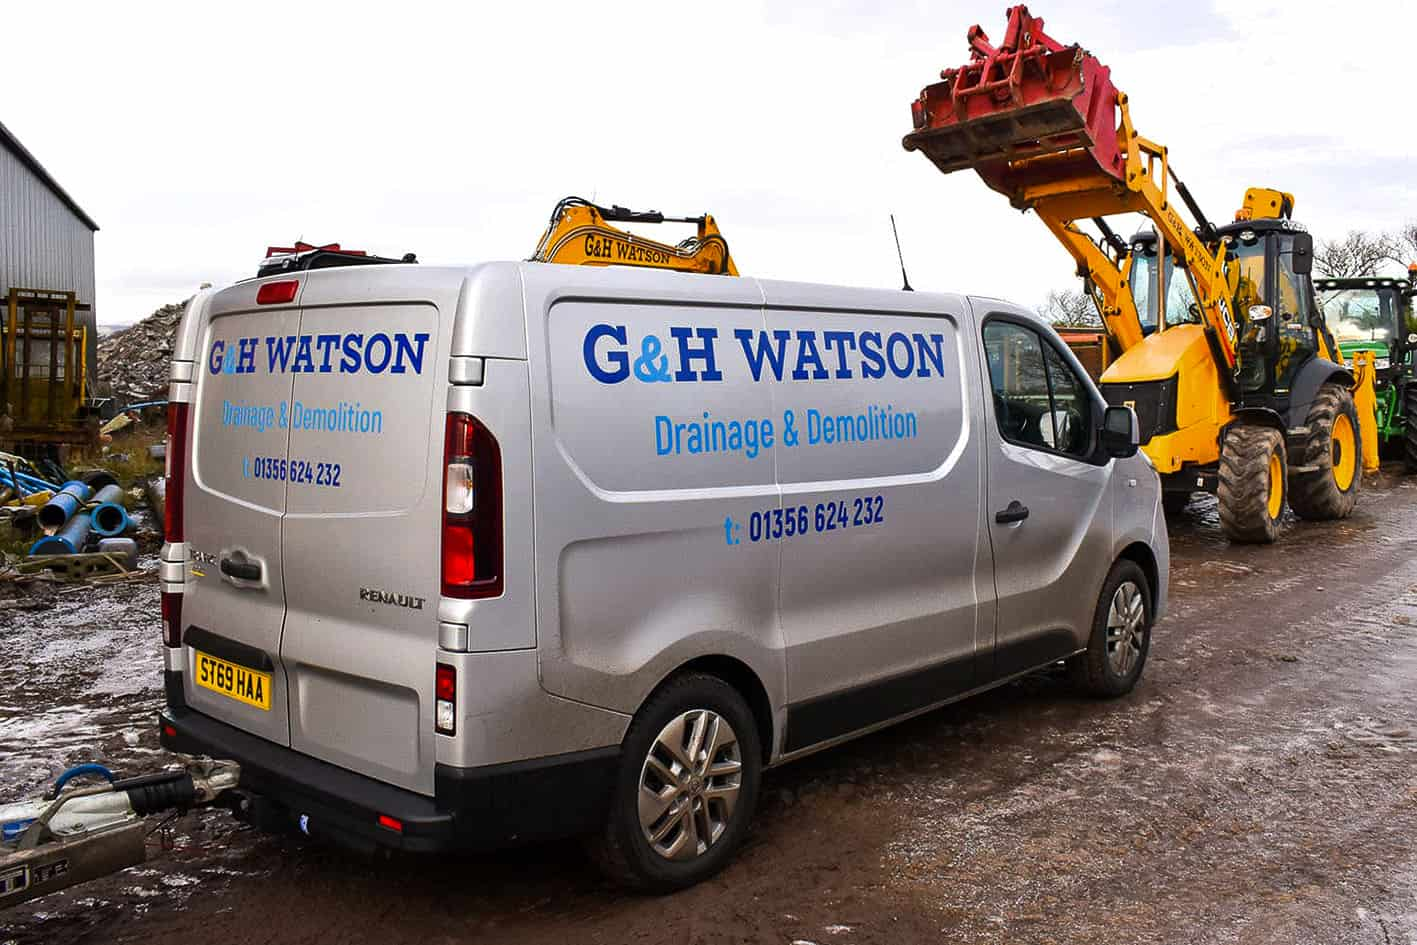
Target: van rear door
(361, 531)
(234, 603)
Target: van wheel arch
(742, 678)
(1143, 557)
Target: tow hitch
(72, 836)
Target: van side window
(1038, 400)
(1020, 382)
(1072, 410)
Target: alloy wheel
(1126, 628)
(689, 784)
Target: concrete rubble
(133, 362)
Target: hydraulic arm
(580, 234)
(1043, 124)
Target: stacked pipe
(62, 516)
(75, 511)
(110, 518)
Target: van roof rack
(305, 256)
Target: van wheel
(1334, 450)
(1121, 635)
(690, 769)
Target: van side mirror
(1121, 433)
(1303, 259)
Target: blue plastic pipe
(30, 483)
(68, 540)
(62, 507)
(110, 518)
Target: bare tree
(1357, 254)
(1404, 245)
(1071, 309)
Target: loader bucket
(1030, 98)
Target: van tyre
(1334, 446)
(1409, 426)
(1253, 479)
(1121, 635)
(690, 769)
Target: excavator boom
(580, 234)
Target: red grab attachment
(1030, 97)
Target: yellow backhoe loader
(1233, 374)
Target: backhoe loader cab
(1278, 330)
(1180, 307)
(1288, 393)
(1373, 316)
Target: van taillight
(445, 692)
(172, 620)
(472, 509)
(176, 470)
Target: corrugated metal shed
(46, 239)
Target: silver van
(466, 557)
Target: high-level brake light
(277, 293)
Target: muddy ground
(1259, 786)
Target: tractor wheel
(1252, 484)
(1409, 426)
(1333, 451)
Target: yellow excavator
(1235, 378)
(580, 234)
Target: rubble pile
(133, 363)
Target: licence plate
(233, 681)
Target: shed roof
(12, 144)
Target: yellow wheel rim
(1276, 485)
(1345, 452)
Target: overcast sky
(196, 134)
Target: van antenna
(901, 256)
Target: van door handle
(243, 570)
(1016, 512)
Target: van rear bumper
(481, 808)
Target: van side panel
(883, 584)
(1048, 569)
(642, 555)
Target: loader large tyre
(1253, 468)
(1409, 426)
(1332, 458)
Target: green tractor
(1374, 314)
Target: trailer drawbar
(71, 836)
